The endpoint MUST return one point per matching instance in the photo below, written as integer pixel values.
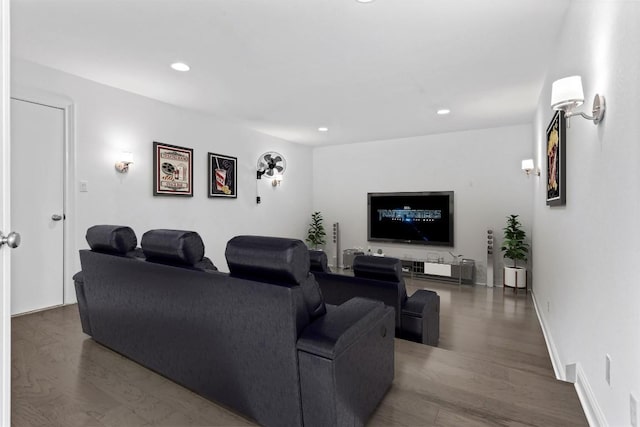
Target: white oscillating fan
(272, 165)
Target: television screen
(423, 218)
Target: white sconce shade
(567, 92)
(528, 167)
(126, 158)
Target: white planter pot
(515, 277)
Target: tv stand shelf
(447, 271)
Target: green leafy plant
(315, 234)
(513, 245)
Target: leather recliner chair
(118, 240)
(380, 278)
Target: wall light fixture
(122, 165)
(277, 179)
(528, 167)
(567, 94)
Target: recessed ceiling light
(443, 111)
(364, 1)
(323, 129)
(180, 66)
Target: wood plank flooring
(491, 368)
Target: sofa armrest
(420, 302)
(332, 333)
(420, 320)
(79, 277)
(346, 363)
(78, 281)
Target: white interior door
(37, 186)
(5, 279)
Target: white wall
(109, 121)
(586, 253)
(482, 167)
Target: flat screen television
(421, 218)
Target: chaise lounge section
(260, 340)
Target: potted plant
(515, 249)
(315, 234)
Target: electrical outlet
(633, 404)
(607, 369)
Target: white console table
(462, 272)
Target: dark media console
(463, 272)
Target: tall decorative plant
(513, 245)
(315, 234)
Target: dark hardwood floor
(491, 368)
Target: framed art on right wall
(556, 161)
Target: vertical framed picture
(172, 170)
(556, 161)
(223, 174)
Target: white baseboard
(590, 406)
(558, 368)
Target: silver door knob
(12, 239)
(56, 217)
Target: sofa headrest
(379, 268)
(115, 239)
(318, 261)
(173, 246)
(268, 259)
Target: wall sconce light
(277, 179)
(527, 167)
(126, 158)
(567, 94)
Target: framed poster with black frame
(223, 173)
(172, 170)
(556, 160)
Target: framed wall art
(223, 173)
(556, 161)
(172, 170)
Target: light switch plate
(84, 186)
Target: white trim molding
(573, 373)
(590, 406)
(548, 339)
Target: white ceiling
(285, 67)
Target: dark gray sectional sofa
(260, 340)
(380, 278)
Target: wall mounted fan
(272, 165)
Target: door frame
(5, 220)
(69, 242)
